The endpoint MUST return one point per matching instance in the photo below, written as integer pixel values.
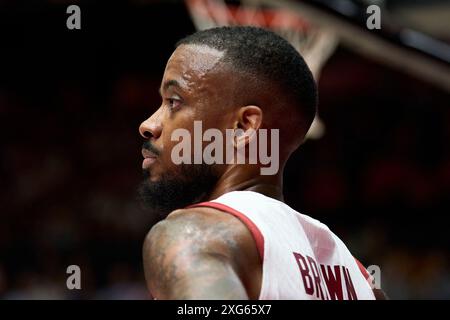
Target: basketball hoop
(315, 44)
(213, 13)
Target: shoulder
(200, 229)
(198, 232)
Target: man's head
(228, 78)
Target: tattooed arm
(201, 253)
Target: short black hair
(265, 54)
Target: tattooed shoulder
(194, 253)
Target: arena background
(70, 106)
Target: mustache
(148, 146)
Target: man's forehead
(193, 60)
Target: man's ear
(249, 120)
(250, 117)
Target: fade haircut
(266, 55)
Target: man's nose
(152, 127)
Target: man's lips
(149, 158)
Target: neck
(247, 178)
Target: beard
(190, 184)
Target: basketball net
(315, 44)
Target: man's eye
(173, 103)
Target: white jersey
(301, 257)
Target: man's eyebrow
(169, 83)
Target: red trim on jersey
(362, 269)
(256, 233)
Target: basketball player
(226, 232)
